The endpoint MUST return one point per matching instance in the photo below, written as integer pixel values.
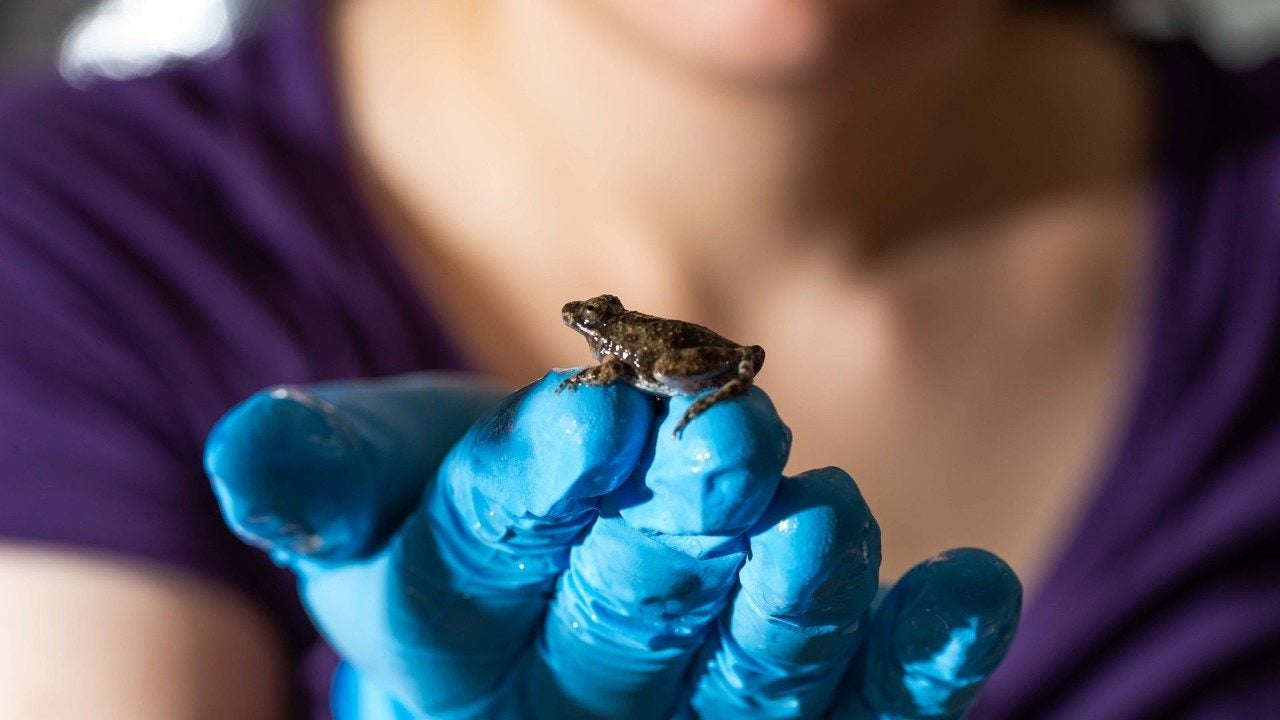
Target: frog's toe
(678, 431)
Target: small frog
(659, 356)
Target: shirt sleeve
(92, 451)
(103, 400)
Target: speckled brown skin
(660, 356)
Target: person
(1011, 270)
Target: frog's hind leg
(748, 360)
(610, 368)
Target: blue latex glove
(564, 555)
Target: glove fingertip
(816, 551)
(940, 633)
(285, 469)
(971, 585)
(563, 447)
(718, 476)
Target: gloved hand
(564, 555)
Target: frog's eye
(591, 311)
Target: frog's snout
(569, 312)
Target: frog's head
(590, 317)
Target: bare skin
(99, 637)
(943, 261)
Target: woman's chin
(781, 41)
(748, 40)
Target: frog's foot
(609, 369)
(731, 389)
(739, 385)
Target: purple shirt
(170, 244)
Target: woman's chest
(973, 403)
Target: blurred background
(118, 38)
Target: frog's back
(649, 331)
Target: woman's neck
(537, 142)
(698, 158)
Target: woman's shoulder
(198, 228)
(193, 148)
(263, 107)
(207, 205)
(127, 205)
